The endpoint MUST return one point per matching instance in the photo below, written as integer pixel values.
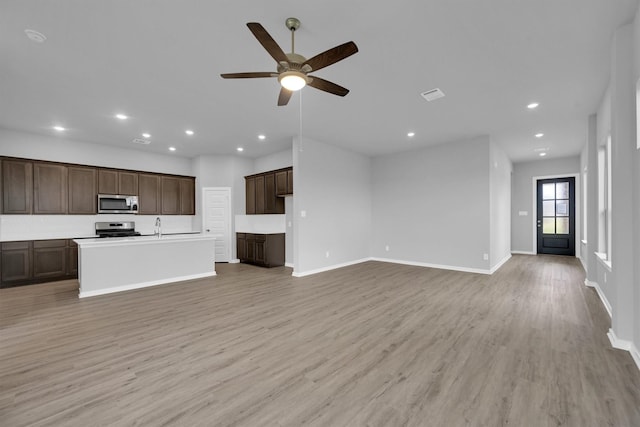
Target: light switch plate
(523, 213)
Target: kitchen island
(107, 265)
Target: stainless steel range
(116, 229)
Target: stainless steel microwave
(117, 204)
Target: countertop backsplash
(42, 227)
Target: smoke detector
(141, 141)
(433, 94)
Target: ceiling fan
(293, 69)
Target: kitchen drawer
(11, 246)
(38, 244)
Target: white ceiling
(159, 62)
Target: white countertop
(136, 240)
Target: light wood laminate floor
(373, 344)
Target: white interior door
(216, 219)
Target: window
(604, 199)
(584, 204)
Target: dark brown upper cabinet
(149, 194)
(250, 184)
(82, 190)
(112, 181)
(17, 186)
(284, 182)
(265, 191)
(49, 188)
(170, 195)
(187, 196)
(260, 195)
(272, 203)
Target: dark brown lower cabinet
(49, 258)
(16, 262)
(266, 250)
(38, 261)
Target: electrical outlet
(386, 248)
(327, 254)
(303, 214)
(485, 257)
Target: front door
(556, 216)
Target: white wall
(500, 206)
(279, 160)
(59, 149)
(616, 115)
(333, 188)
(431, 206)
(522, 240)
(636, 194)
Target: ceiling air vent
(433, 94)
(141, 141)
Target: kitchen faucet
(158, 228)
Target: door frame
(231, 244)
(578, 209)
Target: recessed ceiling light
(533, 105)
(189, 132)
(539, 135)
(146, 135)
(240, 149)
(35, 36)
(262, 137)
(121, 116)
(59, 128)
(542, 154)
(411, 134)
(172, 148)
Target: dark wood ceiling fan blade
(267, 42)
(332, 56)
(284, 97)
(327, 86)
(248, 75)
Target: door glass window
(548, 191)
(548, 208)
(562, 225)
(555, 208)
(548, 225)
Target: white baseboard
(523, 253)
(601, 295)
(397, 261)
(234, 261)
(624, 345)
(142, 285)
(328, 268)
(500, 264)
(288, 264)
(429, 265)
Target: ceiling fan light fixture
(292, 80)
